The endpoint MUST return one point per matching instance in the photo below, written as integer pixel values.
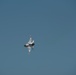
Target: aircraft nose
(29, 51)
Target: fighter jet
(30, 44)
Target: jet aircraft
(30, 44)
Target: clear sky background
(52, 24)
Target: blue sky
(52, 24)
